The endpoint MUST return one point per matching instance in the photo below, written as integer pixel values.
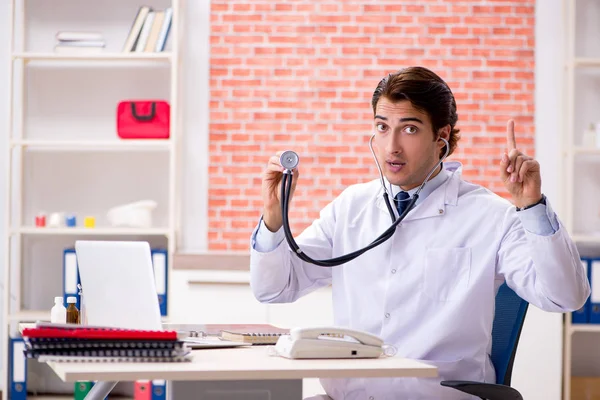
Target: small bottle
(72, 311)
(589, 136)
(58, 313)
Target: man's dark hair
(427, 92)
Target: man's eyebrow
(407, 119)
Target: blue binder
(17, 370)
(160, 263)
(159, 389)
(582, 316)
(595, 286)
(70, 276)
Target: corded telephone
(329, 342)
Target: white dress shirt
(429, 290)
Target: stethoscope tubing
(286, 188)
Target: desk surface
(243, 363)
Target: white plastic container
(132, 215)
(590, 136)
(58, 313)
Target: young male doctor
(429, 290)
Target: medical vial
(58, 313)
(72, 311)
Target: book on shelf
(74, 36)
(149, 31)
(79, 42)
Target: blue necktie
(402, 202)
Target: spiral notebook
(56, 342)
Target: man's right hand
(271, 192)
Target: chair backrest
(508, 323)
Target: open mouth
(395, 167)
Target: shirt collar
(431, 185)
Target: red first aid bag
(143, 119)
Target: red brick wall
(299, 74)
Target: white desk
(242, 363)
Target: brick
(300, 74)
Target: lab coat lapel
(432, 206)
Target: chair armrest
(488, 391)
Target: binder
(595, 286)
(70, 276)
(159, 389)
(81, 389)
(142, 390)
(582, 316)
(159, 263)
(17, 371)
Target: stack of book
(79, 42)
(149, 30)
(72, 343)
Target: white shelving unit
(581, 165)
(63, 147)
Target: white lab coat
(429, 290)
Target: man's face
(404, 143)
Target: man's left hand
(520, 173)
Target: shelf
(97, 145)
(586, 150)
(586, 238)
(586, 62)
(93, 57)
(107, 231)
(585, 328)
(30, 316)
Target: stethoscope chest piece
(289, 160)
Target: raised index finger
(510, 135)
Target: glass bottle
(72, 311)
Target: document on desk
(239, 333)
(211, 343)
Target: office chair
(508, 323)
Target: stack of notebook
(81, 343)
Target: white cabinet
(581, 161)
(63, 152)
(212, 296)
(314, 309)
(215, 297)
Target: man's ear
(444, 132)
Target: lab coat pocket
(446, 273)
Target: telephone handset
(329, 342)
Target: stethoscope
(289, 160)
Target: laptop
(117, 280)
(118, 288)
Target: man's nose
(393, 145)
